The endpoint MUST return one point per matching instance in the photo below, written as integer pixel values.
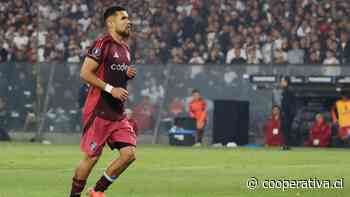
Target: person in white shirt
(330, 58)
(196, 58)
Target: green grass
(35, 170)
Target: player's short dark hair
(195, 91)
(111, 11)
(276, 106)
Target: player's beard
(125, 34)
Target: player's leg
(116, 168)
(92, 143)
(123, 138)
(286, 129)
(81, 174)
(200, 132)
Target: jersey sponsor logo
(119, 67)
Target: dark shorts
(117, 134)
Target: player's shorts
(344, 132)
(117, 134)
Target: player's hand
(131, 72)
(120, 93)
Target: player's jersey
(113, 60)
(198, 109)
(343, 109)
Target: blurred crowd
(182, 31)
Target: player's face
(122, 24)
(275, 111)
(196, 96)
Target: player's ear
(109, 21)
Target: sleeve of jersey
(95, 51)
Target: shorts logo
(96, 52)
(93, 146)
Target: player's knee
(128, 156)
(92, 159)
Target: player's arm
(88, 74)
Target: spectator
(236, 55)
(295, 55)
(267, 50)
(319, 133)
(152, 57)
(280, 56)
(143, 114)
(214, 23)
(216, 56)
(330, 58)
(196, 59)
(343, 49)
(176, 107)
(254, 55)
(272, 128)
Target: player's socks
(77, 187)
(104, 182)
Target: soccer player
(341, 117)
(198, 111)
(107, 69)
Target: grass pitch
(35, 170)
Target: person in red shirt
(273, 133)
(198, 111)
(143, 114)
(107, 68)
(176, 107)
(320, 133)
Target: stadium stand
(268, 31)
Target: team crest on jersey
(96, 52)
(116, 55)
